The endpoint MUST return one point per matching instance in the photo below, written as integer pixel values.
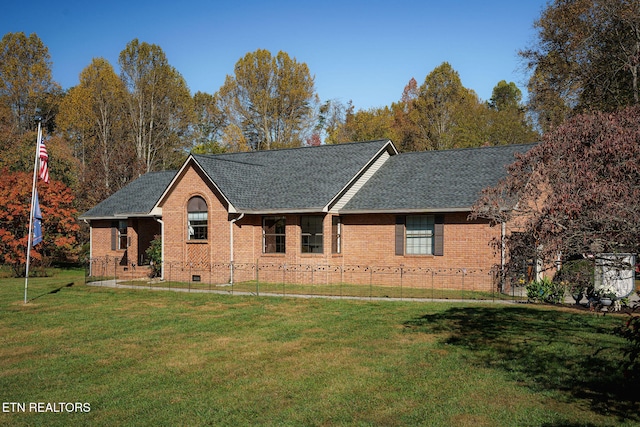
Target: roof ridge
(484, 147)
(291, 148)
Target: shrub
(545, 290)
(154, 252)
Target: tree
(25, 79)
(332, 116)
(234, 140)
(587, 56)
(59, 223)
(93, 121)
(270, 99)
(444, 110)
(440, 114)
(505, 96)
(18, 156)
(159, 106)
(576, 192)
(508, 123)
(366, 125)
(210, 122)
(405, 119)
(314, 140)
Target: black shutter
(114, 235)
(438, 236)
(400, 221)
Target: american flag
(44, 158)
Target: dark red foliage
(578, 191)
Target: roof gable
(298, 179)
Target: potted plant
(576, 291)
(606, 296)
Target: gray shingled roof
(308, 179)
(434, 180)
(290, 179)
(136, 199)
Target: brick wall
(107, 261)
(367, 240)
(181, 251)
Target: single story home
(329, 206)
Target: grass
(331, 289)
(165, 358)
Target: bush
(154, 252)
(545, 290)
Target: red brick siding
(178, 249)
(121, 262)
(367, 240)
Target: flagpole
(31, 210)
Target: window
(197, 219)
(336, 235)
(122, 234)
(419, 234)
(311, 227)
(273, 235)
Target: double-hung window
(119, 237)
(419, 234)
(336, 235)
(197, 219)
(311, 227)
(273, 234)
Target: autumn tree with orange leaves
(59, 225)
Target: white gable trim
(178, 177)
(361, 178)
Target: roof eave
(280, 211)
(404, 210)
(119, 216)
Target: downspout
(231, 246)
(503, 253)
(161, 247)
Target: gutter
(118, 216)
(503, 252)
(403, 210)
(283, 211)
(233, 221)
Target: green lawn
(138, 357)
(332, 290)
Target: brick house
(325, 207)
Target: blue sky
(363, 51)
